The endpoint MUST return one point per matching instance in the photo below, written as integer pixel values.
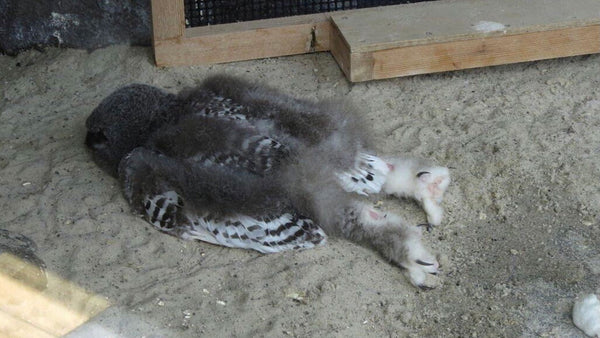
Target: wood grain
(245, 41)
(453, 20)
(168, 19)
(15, 327)
(391, 41)
(482, 52)
(340, 50)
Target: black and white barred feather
(265, 234)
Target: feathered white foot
(426, 184)
(420, 264)
(367, 176)
(401, 244)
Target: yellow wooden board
(53, 311)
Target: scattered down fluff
(586, 315)
(241, 165)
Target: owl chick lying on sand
(240, 165)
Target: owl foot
(401, 244)
(426, 184)
(367, 176)
(427, 226)
(420, 266)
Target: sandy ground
(521, 237)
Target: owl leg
(395, 240)
(426, 184)
(434, 211)
(368, 175)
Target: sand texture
(520, 240)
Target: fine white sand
(521, 237)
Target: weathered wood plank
(14, 327)
(392, 41)
(340, 50)
(453, 20)
(458, 34)
(168, 19)
(448, 56)
(246, 41)
(493, 51)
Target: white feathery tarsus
(426, 184)
(419, 263)
(367, 176)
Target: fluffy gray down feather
(242, 165)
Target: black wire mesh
(212, 12)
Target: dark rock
(87, 24)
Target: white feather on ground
(586, 315)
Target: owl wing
(257, 154)
(162, 189)
(222, 107)
(266, 234)
(204, 140)
(230, 98)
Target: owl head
(125, 120)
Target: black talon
(428, 226)
(425, 287)
(423, 173)
(393, 262)
(423, 263)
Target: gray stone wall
(87, 24)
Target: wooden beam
(340, 50)
(448, 56)
(458, 34)
(168, 19)
(236, 41)
(245, 41)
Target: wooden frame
(402, 40)
(176, 46)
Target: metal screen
(212, 12)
